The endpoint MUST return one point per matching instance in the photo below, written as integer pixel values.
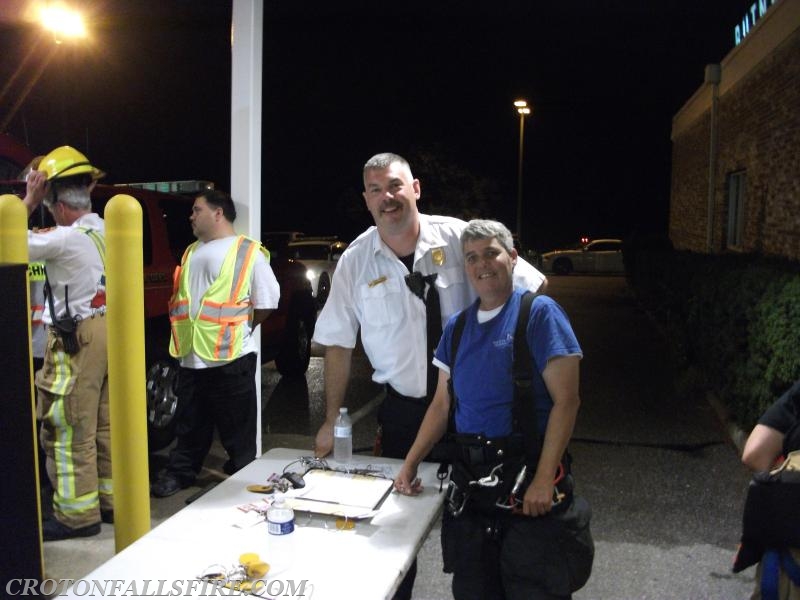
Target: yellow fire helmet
(65, 161)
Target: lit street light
(524, 110)
(63, 23)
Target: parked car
(319, 256)
(598, 256)
(277, 241)
(285, 335)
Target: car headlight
(311, 275)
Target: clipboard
(336, 493)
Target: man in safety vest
(223, 288)
(72, 386)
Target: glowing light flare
(524, 111)
(63, 22)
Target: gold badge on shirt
(438, 257)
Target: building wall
(758, 132)
(689, 196)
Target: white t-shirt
(71, 259)
(369, 291)
(205, 264)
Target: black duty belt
(478, 450)
(393, 393)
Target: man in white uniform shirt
(372, 291)
(72, 385)
(224, 289)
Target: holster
(67, 329)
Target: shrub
(734, 318)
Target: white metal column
(246, 48)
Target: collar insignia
(438, 257)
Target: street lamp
(62, 23)
(524, 110)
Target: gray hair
(483, 229)
(384, 160)
(72, 191)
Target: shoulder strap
(99, 241)
(458, 330)
(524, 411)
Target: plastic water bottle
(280, 517)
(343, 437)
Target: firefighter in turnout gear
(222, 290)
(72, 385)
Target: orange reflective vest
(217, 331)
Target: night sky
(149, 99)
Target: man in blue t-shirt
(484, 391)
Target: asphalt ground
(657, 464)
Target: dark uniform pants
(400, 417)
(223, 397)
(513, 557)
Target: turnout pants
(72, 404)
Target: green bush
(733, 318)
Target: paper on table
(337, 493)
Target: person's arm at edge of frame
(764, 445)
(337, 376)
(561, 376)
(433, 427)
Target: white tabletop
(366, 562)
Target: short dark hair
(220, 199)
(384, 160)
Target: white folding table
(365, 562)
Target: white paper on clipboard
(342, 494)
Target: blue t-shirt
(483, 381)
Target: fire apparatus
(166, 206)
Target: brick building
(736, 144)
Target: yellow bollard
(14, 249)
(126, 369)
(13, 230)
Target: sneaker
(107, 516)
(166, 485)
(53, 529)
